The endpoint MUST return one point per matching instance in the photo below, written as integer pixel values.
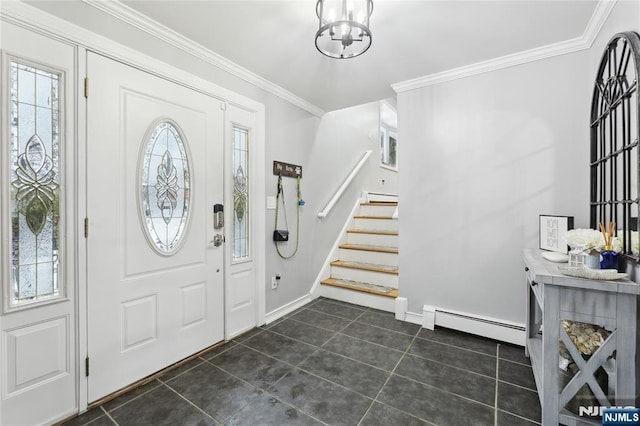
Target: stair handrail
(344, 185)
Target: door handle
(218, 239)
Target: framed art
(553, 231)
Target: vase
(608, 259)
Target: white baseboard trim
(283, 310)
(413, 318)
(429, 317)
(502, 330)
(402, 304)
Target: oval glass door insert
(165, 187)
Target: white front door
(38, 271)
(154, 173)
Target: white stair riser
(364, 276)
(379, 258)
(368, 210)
(372, 239)
(376, 224)
(359, 298)
(382, 197)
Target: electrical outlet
(274, 283)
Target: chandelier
(343, 30)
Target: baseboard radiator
(492, 328)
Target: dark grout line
(519, 416)
(452, 366)
(367, 341)
(292, 338)
(518, 386)
(387, 381)
(108, 416)
(515, 362)
(314, 325)
(333, 315)
(160, 383)
(457, 347)
(194, 405)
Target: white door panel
(147, 310)
(38, 370)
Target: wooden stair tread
(363, 287)
(359, 216)
(393, 270)
(380, 203)
(380, 249)
(372, 231)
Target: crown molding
(597, 20)
(134, 18)
(39, 21)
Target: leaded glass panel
(166, 187)
(35, 184)
(240, 194)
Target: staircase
(366, 269)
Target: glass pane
(35, 184)
(393, 142)
(165, 183)
(383, 138)
(240, 194)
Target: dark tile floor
(334, 363)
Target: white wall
(338, 143)
(326, 147)
(482, 157)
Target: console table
(551, 297)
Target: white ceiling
(411, 39)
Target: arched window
(615, 155)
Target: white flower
(588, 239)
(615, 243)
(583, 239)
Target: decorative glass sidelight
(240, 194)
(35, 154)
(166, 187)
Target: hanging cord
(299, 204)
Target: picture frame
(552, 232)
